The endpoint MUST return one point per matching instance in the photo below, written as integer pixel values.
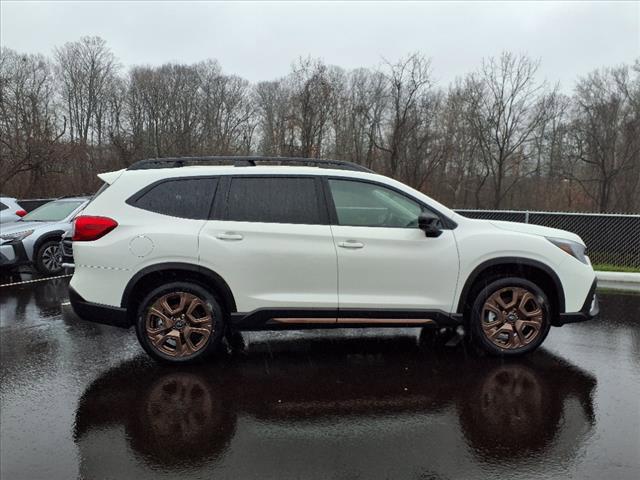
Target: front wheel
(48, 259)
(510, 317)
(179, 322)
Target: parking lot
(79, 400)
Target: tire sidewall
(477, 334)
(218, 323)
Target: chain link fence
(611, 239)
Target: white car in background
(186, 252)
(10, 210)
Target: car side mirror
(430, 224)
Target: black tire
(175, 349)
(48, 258)
(510, 332)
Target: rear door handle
(351, 244)
(229, 236)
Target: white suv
(188, 249)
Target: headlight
(18, 236)
(575, 249)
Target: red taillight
(89, 228)
(21, 213)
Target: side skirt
(297, 319)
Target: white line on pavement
(35, 281)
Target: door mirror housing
(430, 224)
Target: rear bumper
(95, 312)
(589, 310)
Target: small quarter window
(3, 206)
(184, 198)
(274, 200)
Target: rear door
(271, 242)
(385, 262)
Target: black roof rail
(245, 161)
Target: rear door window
(183, 197)
(274, 200)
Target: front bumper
(13, 254)
(589, 310)
(95, 312)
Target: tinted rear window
(3, 206)
(185, 198)
(274, 200)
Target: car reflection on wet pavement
(80, 400)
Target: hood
(21, 226)
(537, 230)
(37, 227)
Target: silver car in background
(35, 238)
(10, 210)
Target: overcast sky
(259, 41)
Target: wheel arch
(154, 275)
(533, 270)
(46, 237)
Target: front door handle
(229, 236)
(351, 244)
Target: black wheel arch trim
(55, 236)
(519, 261)
(216, 280)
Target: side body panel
(272, 265)
(479, 241)
(396, 268)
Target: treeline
(497, 138)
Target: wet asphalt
(79, 400)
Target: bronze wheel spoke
(195, 302)
(166, 322)
(200, 331)
(518, 328)
(159, 339)
(500, 300)
(189, 347)
(199, 321)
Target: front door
(385, 262)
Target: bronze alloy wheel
(179, 324)
(512, 318)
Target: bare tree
(606, 133)
(507, 106)
(407, 80)
(29, 129)
(85, 69)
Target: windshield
(53, 211)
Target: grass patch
(613, 291)
(607, 267)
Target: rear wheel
(179, 323)
(510, 317)
(48, 259)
